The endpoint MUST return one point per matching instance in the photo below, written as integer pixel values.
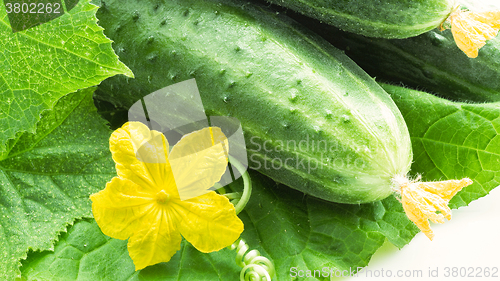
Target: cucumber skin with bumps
(280, 81)
(375, 18)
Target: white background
(470, 239)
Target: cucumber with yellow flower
(289, 88)
(431, 61)
(403, 19)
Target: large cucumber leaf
(41, 64)
(84, 253)
(452, 140)
(46, 179)
(293, 230)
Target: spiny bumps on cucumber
(374, 18)
(312, 118)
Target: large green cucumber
(375, 18)
(293, 93)
(431, 61)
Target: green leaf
(292, 230)
(46, 179)
(452, 140)
(85, 253)
(41, 64)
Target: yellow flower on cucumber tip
(159, 195)
(424, 201)
(471, 29)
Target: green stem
(233, 195)
(247, 184)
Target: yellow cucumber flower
(424, 201)
(471, 30)
(157, 195)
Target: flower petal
(209, 222)
(471, 29)
(418, 218)
(156, 241)
(141, 155)
(446, 189)
(423, 201)
(491, 18)
(119, 208)
(198, 161)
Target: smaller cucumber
(431, 62)
(375, 18)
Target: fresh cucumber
(375, 18)
(431, 62)
(312, 118)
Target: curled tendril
(237, 199)
(254, 266)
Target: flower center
(162, 197)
